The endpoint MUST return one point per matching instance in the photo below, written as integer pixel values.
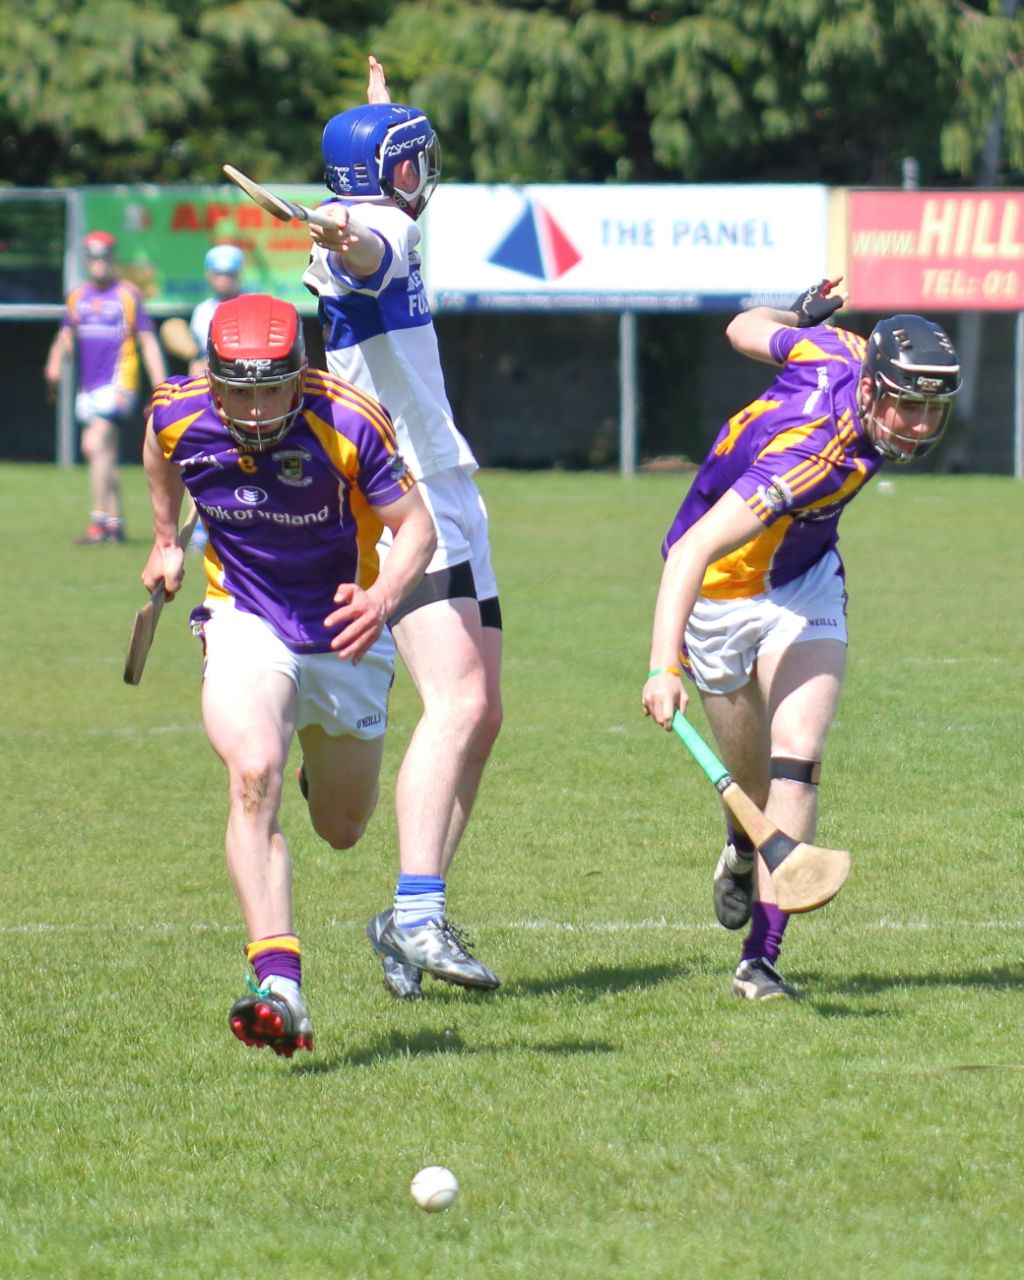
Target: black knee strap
(806, 771)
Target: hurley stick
(805, 876)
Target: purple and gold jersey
(105, 320)
(796, 456)
(286, 526)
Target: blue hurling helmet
(363, 147)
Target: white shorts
(103, 402)
(460, 518)
(725, 637)
(342, 699)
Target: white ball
(434, 1188)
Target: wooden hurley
(805, 876)
(144, 627)
(286, 210)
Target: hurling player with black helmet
(295, 473)
(382, 162)
(752, 603)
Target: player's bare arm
(166, 561)
(729, 524)
(152, 358)
(359, 249)
(362, 613)
(377, 90)
(60, 347)
(750, 332)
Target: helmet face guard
(911, 363)
(363, 148)
(256, 345)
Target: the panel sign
(643, 248)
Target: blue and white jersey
(202, 318)
(379, 335)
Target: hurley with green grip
(804, 876)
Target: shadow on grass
(432, 1044)
(598, 981)
(588, 983)
(873, 984)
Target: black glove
(814, 306)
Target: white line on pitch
(538, 926)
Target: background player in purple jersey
(382, 162)
(752, 603)
(295, 472)
(106, 320)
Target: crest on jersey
(777, 496)
(398, 467)
(292, 462)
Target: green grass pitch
(613, 1110)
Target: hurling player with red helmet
(106, 324)
(295, 474)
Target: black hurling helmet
(913, 360)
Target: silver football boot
(436, 947)
(402, 980)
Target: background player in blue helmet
(382, 162)
(752, 603)
(294, 472)
(223, 266)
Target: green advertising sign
(163, 234)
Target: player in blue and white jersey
(382, 162)
(295, 473)
(223, 266)
(752, 603)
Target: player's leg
(474, 684)
(491, 642)
(454, 661)
(90, 439)
(739, 722)
(249, 719)
(800, 685)
(100, 447)
(721, 652)
(799, 637)
(342, 783)
(249, 710)
(442, 646)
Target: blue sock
(418, 899)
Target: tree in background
(835, 91)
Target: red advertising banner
(936, 250)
